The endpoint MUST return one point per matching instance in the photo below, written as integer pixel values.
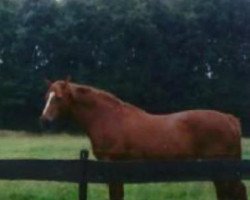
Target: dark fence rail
(166, 171)
(129, 172)
(51, 170)
(85, 171)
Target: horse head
(57, 101)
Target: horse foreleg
(116, 191)
(230, 190)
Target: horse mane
(107, 96)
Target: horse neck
(88, 118)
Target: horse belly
(159, 141)
(163, 148)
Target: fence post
(83, 184)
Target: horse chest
(106, 139)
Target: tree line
(161, 55)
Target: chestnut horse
(121, 131)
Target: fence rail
(84, 171)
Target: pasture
(23, 145)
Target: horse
(121, 131)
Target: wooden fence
(84, 171)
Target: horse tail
(235, 125)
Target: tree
(163, 56)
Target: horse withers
(121, 131)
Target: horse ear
(48, 82)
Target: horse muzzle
(45, 123)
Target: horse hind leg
(230, 190)
(239, 190)
(116, 191)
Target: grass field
(22, 145)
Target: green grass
(22, 145)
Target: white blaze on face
(51, 95)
